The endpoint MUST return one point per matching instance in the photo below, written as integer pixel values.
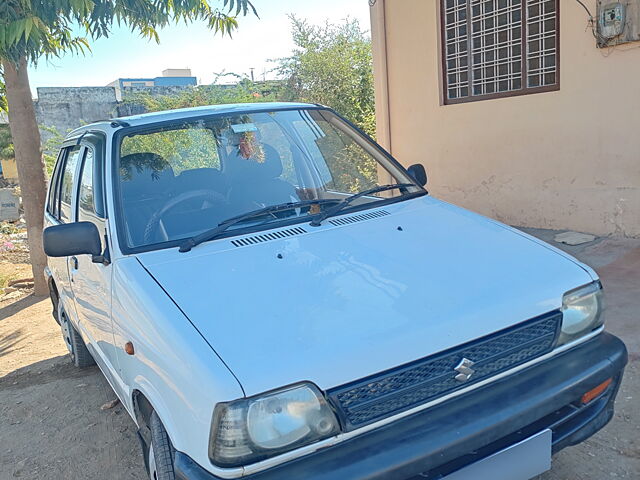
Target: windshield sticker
(244, 127)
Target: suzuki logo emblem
(464, 370)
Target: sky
(125, 54)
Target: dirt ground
(52, 425)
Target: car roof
(185, 113)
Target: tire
(161, 452)
(80, 355)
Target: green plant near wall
(51, 147)
(6, 144)
(332, 65)
(245, 91)
(3, 97)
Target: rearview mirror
(69, 239)
(418, 173)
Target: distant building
(171, 77)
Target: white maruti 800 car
(272, 296)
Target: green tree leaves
(332, 65)
(3, 96)
(33, 28)
(244, 91)
(6, 145)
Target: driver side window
(67, 183)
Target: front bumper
(442, 439)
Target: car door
(61, 192)
(91, 281)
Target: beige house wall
(566, 159)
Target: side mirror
(69, 239)
(418, 173)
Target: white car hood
(351, 300)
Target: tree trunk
(28, 152)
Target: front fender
(162, 409)
(173, 366)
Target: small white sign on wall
(9, 205)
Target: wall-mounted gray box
(617, 22)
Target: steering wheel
(154, 221)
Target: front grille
(394, 391)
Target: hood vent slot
(266, 237)
(358, 218)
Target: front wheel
(80, 355)
(161, 452)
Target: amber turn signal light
(595, 392)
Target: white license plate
(520, 461)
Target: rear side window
(67, 182)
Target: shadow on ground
(9, 310)
(10, 341)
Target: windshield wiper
(213, 233)
(345, 203)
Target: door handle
(74, 263)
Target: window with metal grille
(499, 48)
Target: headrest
(272, 161)
(271, 167)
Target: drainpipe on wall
(380, 73)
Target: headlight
(252, 429)
(581, 312)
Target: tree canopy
(31, 28)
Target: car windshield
(181, 180)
